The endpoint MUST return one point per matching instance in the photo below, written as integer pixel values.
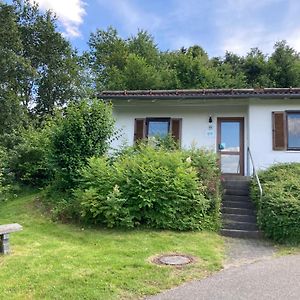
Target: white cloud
(242, 25)
(241, 41)
(132, 16)
(216, 25)
(69, 12)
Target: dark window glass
(158, 127)
(293, 128)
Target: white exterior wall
(257, 121)
(260, 132)
(195, 123)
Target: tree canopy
(41, 71)
(137, 63)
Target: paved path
(244, 251)
(250, 272)
(277, 278)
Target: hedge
(152, 187)
(278, 210)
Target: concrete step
(236, 198)
(251, 234)
(236, 178)
(238, 204)
(239, 218)
(238, 211)
(233, 184)
(238, 192)
(239, 225)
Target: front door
(230, 145)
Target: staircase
(238, 211)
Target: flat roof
(271, 93)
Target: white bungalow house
(228, 121)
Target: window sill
(292, 151)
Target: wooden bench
(5, 230)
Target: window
(149, 127)
(293, 130)
(286, 130)
(157, 127)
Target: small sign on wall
(210, 131)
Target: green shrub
(166, 142)
(208, 171)
(149, 186)
(84, 131)
(4, 186)
(279, 208)
(28, 160)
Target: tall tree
(256, 69)
(134, 63)
(108, 54)
(229, 71)
(14, 69)
(142, 44)
(284, 65)
(57, 78)
(38, 68)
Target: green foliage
(4, 186)
(107, 55)
(35, 156)
(167, 142)
(137, 63)
(208, 172)
(84, 131)
(28, 160)
(152, 186)
(39, 71)
(14, 69)
(279, 208)
(284, 65)
(134, 63)
(143, 46)
(256, 69)
(138, 74)
(192, 70)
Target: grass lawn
(287, 249)
(58, 261)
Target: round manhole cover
(174, 259)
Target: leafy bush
(208, 172)
(4, 186)
(84, 131)
(28, 160)
(166, 142)
(279, 208)
(149, 186)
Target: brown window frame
(279, 130)
(141, 127)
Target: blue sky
(216, 25)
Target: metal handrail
(255, 173)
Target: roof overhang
(216, 94)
